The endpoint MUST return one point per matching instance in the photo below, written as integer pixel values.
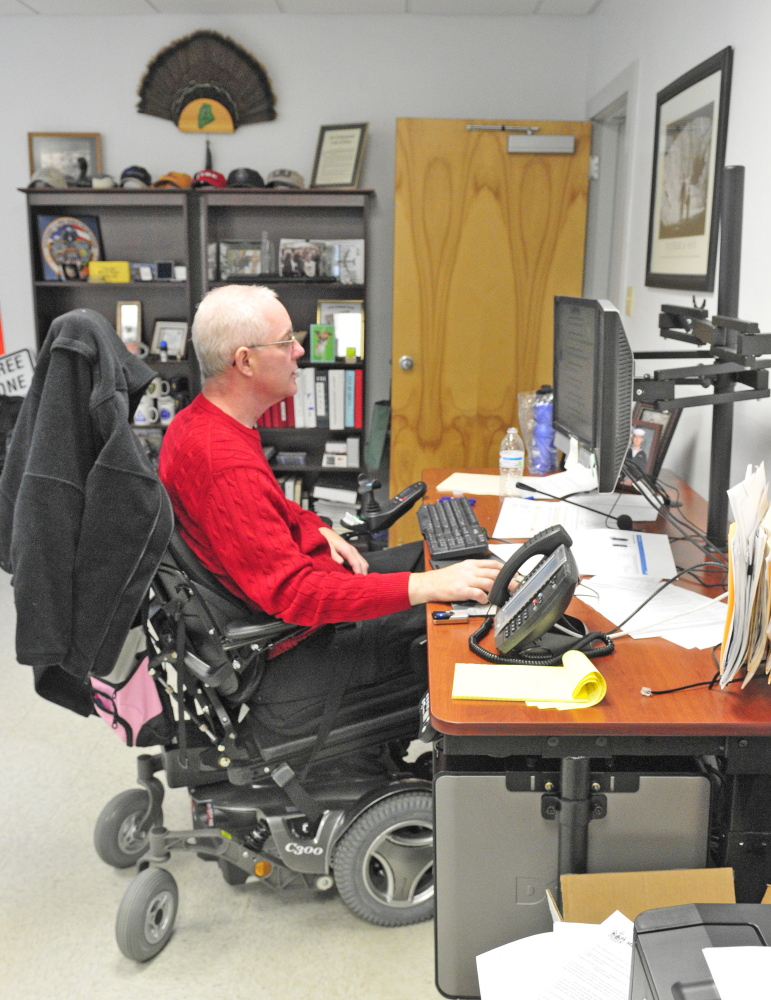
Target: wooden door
(483, 241)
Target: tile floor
(58, 901)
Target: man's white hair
(230, 317)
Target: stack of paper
(576, 684)
(573, 961)
(688, 619)
(523, 518)
(749, 567)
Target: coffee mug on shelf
(146, 412)
(158, 387)
(167, 408)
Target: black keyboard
(451, 529)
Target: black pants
(384, 656)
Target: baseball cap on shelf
(135, 177)
(48, 177)
(244, 177)
(285, 178)
(209, 178)
(102, 181)
(174, 179)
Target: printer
(668, 963)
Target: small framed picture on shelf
(299, 259)
(342, 260)
(174, 333)
(68, 245)
(347, 318)
(339, 155)
(64, 150)
(128, 324)
(239, 259)
(322, 342)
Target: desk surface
(654, 663)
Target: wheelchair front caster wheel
(118, 838)
(146, 914)
(384, 863)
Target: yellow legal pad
(576, 684)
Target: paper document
(740, 973)
(523, 518)
(749, 584)
(531, 962)
(611, 552)
(602, 971)
(470, 482)
(576, 684)
(688, 619)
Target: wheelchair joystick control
(366, 490)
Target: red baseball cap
(209, 178)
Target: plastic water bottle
(544, 455)
(511, 463)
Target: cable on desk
(686, 687)
(658, 590)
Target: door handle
(406, 362)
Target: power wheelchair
(262, 805)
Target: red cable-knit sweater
(265, 549)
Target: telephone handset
(542, 597)
(537, 604)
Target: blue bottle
(544, 455)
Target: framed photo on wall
(62, 150)
(688, 161)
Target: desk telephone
(537, 606)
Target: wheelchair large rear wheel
(119, 838)
(384, 863)
(146, 914)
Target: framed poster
(339, 155)
(62, 150)
(688, 161)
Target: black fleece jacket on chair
(84, 519)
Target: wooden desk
(654, 663)
(500, 765)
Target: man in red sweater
(270, 552)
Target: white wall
(80, 74)
(667, 38)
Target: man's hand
(470, 580)
(343, 552)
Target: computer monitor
(593, 384)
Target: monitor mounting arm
(736, 350)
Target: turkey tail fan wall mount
(206, 82)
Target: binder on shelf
(350, 397)
(282, 414)
(322, 408)
(358, 403)
(336, 386)
(309, 396)
(289, 403)
(298, 404)
(354, 459)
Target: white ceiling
(100, 7)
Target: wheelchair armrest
(241, 633)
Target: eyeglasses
(292, 339)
